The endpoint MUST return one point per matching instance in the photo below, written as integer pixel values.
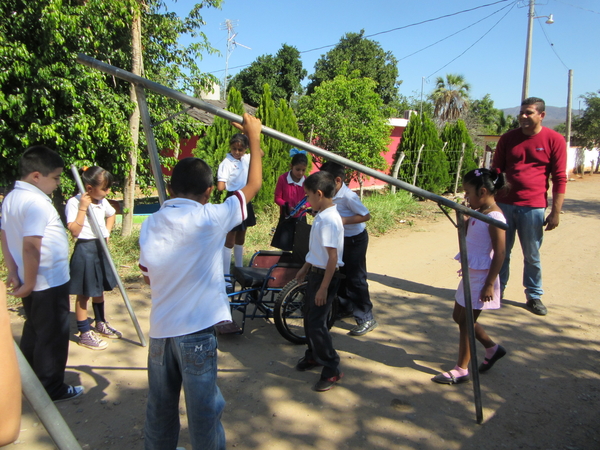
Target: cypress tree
(455, 135)
(433, 169)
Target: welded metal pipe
(227, 115)
(96, 228)
(466, 279)
(44, 407)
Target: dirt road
(544, 395)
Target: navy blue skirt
(91, 274)
(250, 218)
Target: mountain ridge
(554, 115)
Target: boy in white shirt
(36, 253)
(354, 290)
(326, 246)
(181, 259)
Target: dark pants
(354, 289)
(320, 346)
(45, 340)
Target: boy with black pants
(36, 251)
(326, 246)
(354, 289)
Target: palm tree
(450, 97)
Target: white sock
(226, 260)
(238, 255)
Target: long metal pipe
(227, 115)
(44, 407)
(96, 228)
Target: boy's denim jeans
(191, 361)
(528, 223)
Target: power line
(578, 7)
(453, 34)
(393, 29)
(552, 47)
(474, 43)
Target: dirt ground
(545, 394)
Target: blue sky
(494, 48)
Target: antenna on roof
(229, 25)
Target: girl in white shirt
(91, 273)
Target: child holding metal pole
(91, 273)
(485, 252)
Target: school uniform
(354, 289)
(27, 211)
(234, 173)
(91, 273)
(180, 251)
(326, 231)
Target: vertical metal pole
(528, 43)
(96, 227)
(569, 110)
(464, 263)
(152, 149)
(44, 407)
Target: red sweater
(287, 195)
(528, 162)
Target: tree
(348, 117)
(46, 97)
(355, 52)
(282, 72)
(277, 160)
(455, 135)
(432, 165)
(450, 97)
(587, 127)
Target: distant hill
(554, 114)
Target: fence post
(417, 165)
(397, 169)
(460, 161)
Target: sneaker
(363, 328)
(91, 341)
(536, 306)
(72, 392)
(324, 384)
(105, 330)
(306, 364)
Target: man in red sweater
(529, 155)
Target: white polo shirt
(327, 231)
(101, 210)
(349, 204)
(181, 248)
(234, 172)
(27, 211)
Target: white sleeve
(224, 171)
(71, 209)
(109, 211)
(356, 206)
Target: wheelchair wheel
(289, 312)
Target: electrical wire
(579, 7)
(388, 31)
(552, 46)
(453, 34)
(474, 43)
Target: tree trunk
(134, 127)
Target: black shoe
(306, 364)
(536, 306)
(72, 392)
(363, 328)
(324, 384)
(500, 352)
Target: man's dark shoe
(363, 328)
(324, 384)
(536, 306)
(305, 364)
(72, 392)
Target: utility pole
(525, 92)
(569, 103)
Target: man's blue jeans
(528, 223)
(191, 361)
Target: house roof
(209, 118)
